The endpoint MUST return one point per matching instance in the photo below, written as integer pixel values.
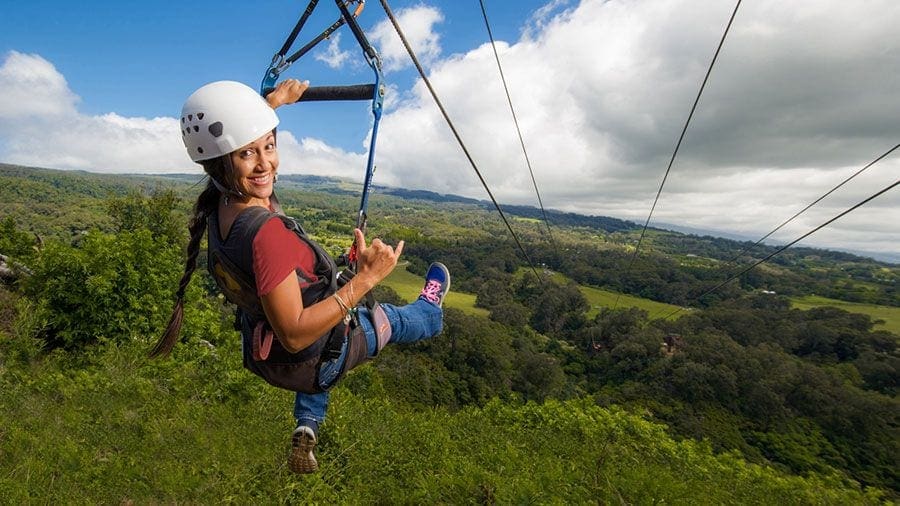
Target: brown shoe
(302, 460)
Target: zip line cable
(412, 55)
(829, 192)
(678, 145)
(515, 119)
(779, 250)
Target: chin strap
(226, 160)
(225, 191)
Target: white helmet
(221, 117)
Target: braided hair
(207, 204)
(222, 180)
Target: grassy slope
(604, 298)
(200, 430)
(890, 315)
(408, 286)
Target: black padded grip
(326, 93)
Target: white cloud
(538, 21)
(31, 86)
(312, 156)
(802, 95)
(418, 27)
(333, 56)
(41, 126)
(107, 143)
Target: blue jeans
(410, 323)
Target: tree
(15, 243)
(154, 213)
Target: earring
(226, 200)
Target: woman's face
(255, 166)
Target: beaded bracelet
(344, 308)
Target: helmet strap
(225, 191)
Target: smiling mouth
(260, 180)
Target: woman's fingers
(380, 246)
(360, 240)
(377, 255)
(287, 92)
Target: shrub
(110, 287)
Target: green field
(599, 298)
(409, 285)
(604, 298)
(890, 315)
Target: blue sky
(803, 95)
(144, 58)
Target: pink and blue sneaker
(437, 283)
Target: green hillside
(599, 298)
(548, 392)
(197, 429)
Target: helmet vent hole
(216, 129)
(190, 117)
(200, 150)
(196, 128)
(199, 115)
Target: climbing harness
(230, 261)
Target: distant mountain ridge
(609, 224)
(346, 186)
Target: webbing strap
(382, 327)
(296, 31)
(262, 341)
(280, 63)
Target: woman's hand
(375, 261)
(286, 92)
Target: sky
(803, 95)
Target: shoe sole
(302, 460)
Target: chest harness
(230, 262)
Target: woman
(299, 329)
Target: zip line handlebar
(334, 93)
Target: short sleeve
(277, 253)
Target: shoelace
(432, 291)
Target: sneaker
(437, 283)
(302, 460)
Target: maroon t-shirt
(277, 253)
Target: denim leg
(409, 323)
(310, 407)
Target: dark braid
(206, 205)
